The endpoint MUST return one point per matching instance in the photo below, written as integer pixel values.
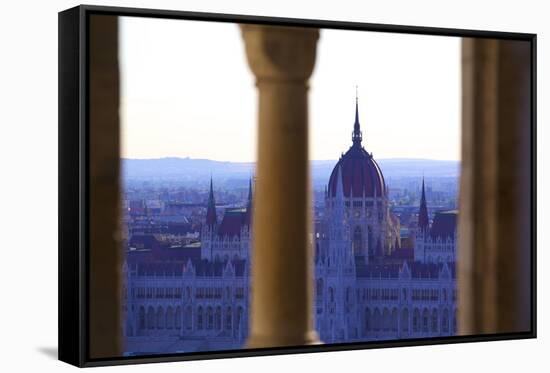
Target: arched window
(357, 241)
(199, 318)
(218, 318)
(454, 322)
(416, 320)
(169, 317)
(394, 320)
(189, 318)
(178, 317)
(150, 317)
(238, 318)
(331, 294)
(141, 318)
(445, 321)
(386, 319)
(160, 318)
(368, 321)
(320, 288)
(209, 318)
(228, 323)
(405, 320)
(434, 321)
(425, 317)
(376, 320)
(188, 292)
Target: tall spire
(357, 135)
(211, 209)
(423, 220)
(250, 190)
(248, 213)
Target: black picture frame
(74, 182)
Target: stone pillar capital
(280, 54)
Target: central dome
(361, 175)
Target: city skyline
(180, 104)
(384, 266)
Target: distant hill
(189, 169)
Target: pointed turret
(423, 220)
(211, 218)
(248, 215)
(250, 190)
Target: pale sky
(187, 91)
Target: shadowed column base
(261, 341)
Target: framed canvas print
(236, 186)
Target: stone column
(495, 203)
(105, 259)
(282, 60)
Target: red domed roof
(361, 175)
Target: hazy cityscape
(385, 250)
(384, 198)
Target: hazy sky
(187, 91)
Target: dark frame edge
(534, 185)
(70, 307)
(305, 22)
(278, 351)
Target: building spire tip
(357, 136)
